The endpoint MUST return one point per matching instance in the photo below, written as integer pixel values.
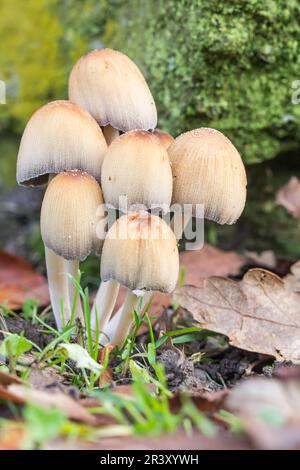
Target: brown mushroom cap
(112, 89)
(69, 215)
(137, 165)
(207, 169)
(60, 136)
(140, 251)
(165, 138)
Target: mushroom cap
(140, 251)
(165, 138)
(60, 136)
(112, 89)
(137, 165)
(69, 217)
(207, 169)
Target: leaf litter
(212, 368)
(257, 313)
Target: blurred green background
(228, 64)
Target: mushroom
(112, 89)
(140, 252)
(207, 169)
(68, 227)
(136, 166)
(165, 138)
(59, 136)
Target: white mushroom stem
(104, 303)
(119, 326)
(120, 332)
(57, 274)
(107, 293)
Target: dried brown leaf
(168, 441)
(256, 394)
(257, 314)
(43, 378)
(269, 410)
(289, 196)
(292, 281)
(8, 379)
(19, 281)
(12, 436)
(57, 400)
(266, 259)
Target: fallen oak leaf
(19, 282)
(12, 436)
(269, 411)
(209, 261)
(57, 400)
(168, 441)
(8, 379)
(255, 395)
(257, 313)
(289, 196)
(42, 378)
(292, 281)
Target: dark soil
(206, 364)
(212, 374)
(33, 332)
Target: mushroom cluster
(100, 151)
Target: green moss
(227, 64)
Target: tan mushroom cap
(207, 169)
(112, 89)
(140, 252)
(137, 165)
(69, 222)
(165, 138)
(60, 136)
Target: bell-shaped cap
(140, 252)
(137, 166)
(60, 136)
(207, 169)
(165, 138)
(70, 223)
(112, 89)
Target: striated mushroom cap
(207, 169)
(69, 215)
(112, 89)
(140, 251)
(165, 139)
(137, 165)
(60, 136)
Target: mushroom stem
(107, 293)
(117, 322)
(104, 303)
(57, 270)
(125, 319)
(110, 133)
